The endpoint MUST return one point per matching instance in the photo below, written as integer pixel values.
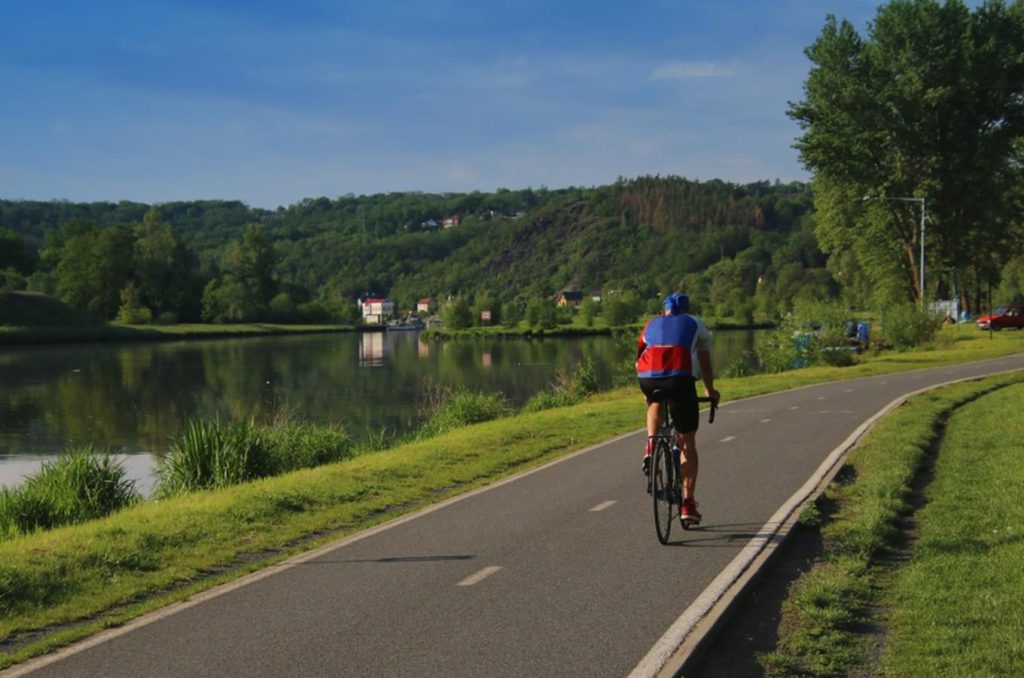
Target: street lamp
(924, 213)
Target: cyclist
(665, 359)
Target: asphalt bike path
(557, 571)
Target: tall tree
(94, 267)
(162, 265)
(929, 105)
(14, 253)
(249, 283)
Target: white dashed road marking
(765, 421)
(728, 438)
(794, 407)
(479, 576)
(603, 505)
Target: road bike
(663, 482)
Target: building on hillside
(377, 311)
(449, 222)
(430, 225)
(425, 305)
(571, 298)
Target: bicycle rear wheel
(663, 482)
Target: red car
(1011, 316)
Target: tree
(94, 267)
(589, 310)
(162, 265)
(485, 301)
(541, 314)
(249, 283)
(930, 104)
(621, 309)
(457, 314)
(1011, 286)
(14, 253)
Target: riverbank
(62, 585)
(126, 333)
(31, 318)
(571, 330)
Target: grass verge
(58, 586)
(957, 607)
(830, 605)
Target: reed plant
(81, 485)
(296, 445)
(454, 409)
(568, 388)
(213, 454)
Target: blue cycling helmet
(676, 303)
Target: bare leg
(653, 419)
(689, 463)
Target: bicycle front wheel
(663, 490)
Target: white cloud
(679, 70)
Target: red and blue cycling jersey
(666, 345)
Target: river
(133, 398)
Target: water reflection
(135, 397)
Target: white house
(377, 311)
(425, 305)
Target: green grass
(82, 485)
(212, 454)
(958, 608)
(107, 571)
(827, 606)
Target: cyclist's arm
(703, 346)
(707, 374)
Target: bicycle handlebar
(714, 406)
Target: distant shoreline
(566, 331)
(29, 336)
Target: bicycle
(663, 482)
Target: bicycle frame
(663, 479)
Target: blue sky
(272, 102)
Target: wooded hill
(736, 248)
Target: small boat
(412, 324)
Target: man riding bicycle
(665, 360)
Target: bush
(82, 485)
(814, 333)
(907, 326)
(546, 400)
(568, 389)
(461, 408)
(621, 309)
(12, 281)
(210, 454)
(298, 445)
(139, 315)
(745, 366)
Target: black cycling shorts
(681, 396)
